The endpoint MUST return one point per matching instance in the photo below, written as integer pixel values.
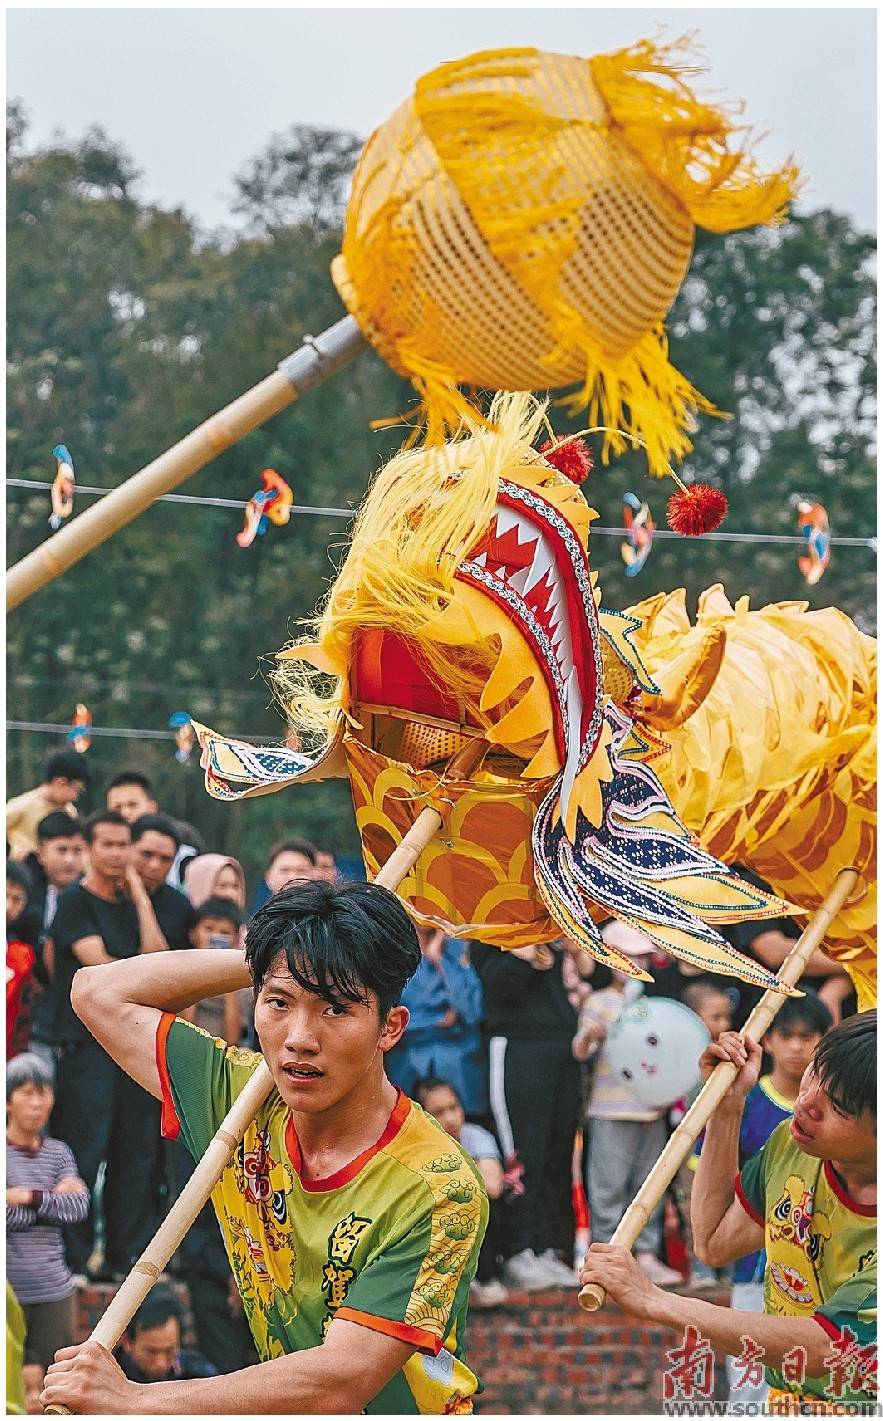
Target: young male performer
(352, 1221)
(809, 1197)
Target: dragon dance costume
(525, 220)
(466, 608)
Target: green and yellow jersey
(821, 1250)
(390, 1241)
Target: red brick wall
(539, 1355)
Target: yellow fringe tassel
(685, 142)
(531, 150)
(423, 512)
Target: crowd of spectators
(506, 1050)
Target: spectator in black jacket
(59, 861)
(534, 1093)
(99, 1111)
(155, 844)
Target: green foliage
(127, 327)
(302, 179)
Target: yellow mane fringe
(424, 511)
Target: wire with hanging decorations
(718, 536)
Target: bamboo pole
(195, 1194)
(712, 1093)
(299, 372)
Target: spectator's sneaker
(657, 1271)
(565, 1277)
(79, 1280)
(704, 1283)
(703, 1278)
(487, 1295)
(526, 1273)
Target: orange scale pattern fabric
(478, 872)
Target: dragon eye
(652, 1040)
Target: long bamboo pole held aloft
(712, 1093)
(299, 372)
(229, 1133)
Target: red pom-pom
(696, 510)
(571, 457)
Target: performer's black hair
(846, 1063)
(340, 942)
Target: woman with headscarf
(211, 876)
(215, 876)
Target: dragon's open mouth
(531, 562)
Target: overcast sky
(194, 93)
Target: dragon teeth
(540, 567)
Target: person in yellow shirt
(65, 779)
(351, 1220)
(809, 1197)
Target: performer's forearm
(718, 1165)
(725, 1329)
(169, 981)
(300, 1384)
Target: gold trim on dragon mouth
(531, 562)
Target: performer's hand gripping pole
(228, 1136)
(299, 372)
(709, 1098)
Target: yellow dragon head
(466, 609)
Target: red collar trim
(867, 1211)
(400, 1112)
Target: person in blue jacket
(443, 1036)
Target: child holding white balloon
(625, 1133)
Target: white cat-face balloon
(654, 1049)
